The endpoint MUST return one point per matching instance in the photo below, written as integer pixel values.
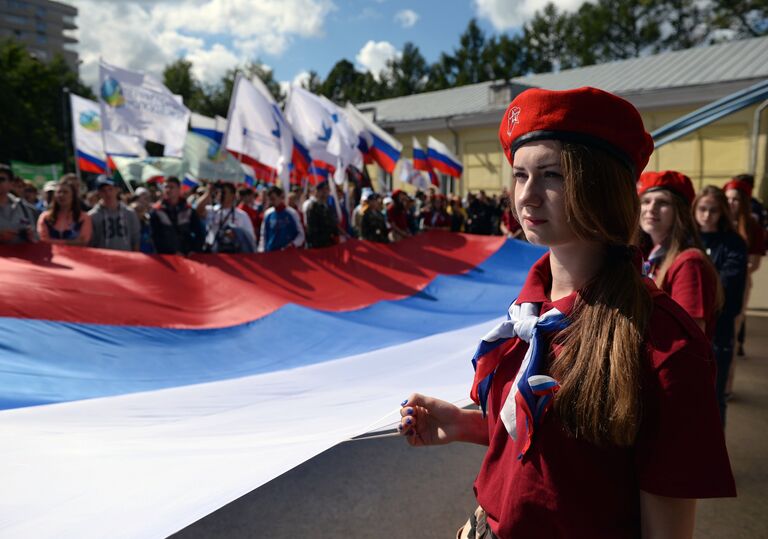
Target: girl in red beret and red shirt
(739, 195)
(675, 259)
(596, 396)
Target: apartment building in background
(43, 26)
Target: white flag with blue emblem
(323, 128)
(133, 103)
(257, 133)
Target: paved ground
(382, 488)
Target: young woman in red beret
(675, 259)
(596, 394)
(739, 195)
(728, 252)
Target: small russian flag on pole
(442, 159)
(189, 183)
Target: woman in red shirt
(669, 238)
(739, 195)
(596, 395)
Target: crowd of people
(219, 217)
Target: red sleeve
(680, 451)
(692, 285)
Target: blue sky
(290, 36)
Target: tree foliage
(32, 105)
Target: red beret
(678, 183)
(582, 116)
(739, 185)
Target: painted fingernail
(400, 428)
(408, 421)
(404, 402)
(409, 411)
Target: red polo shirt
(692, 283)
(568, 487)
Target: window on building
(41, 39)
(41, 11)
(16, 4)
(41, 27)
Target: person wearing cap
(739, 193)
(669, 239)
(596, 394)
(373, 225)
(141, 204)
(66, 222)
(115, 225)
(17, 217)
(49, 188)
(728, 252)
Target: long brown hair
(725, 223)
(743, 220)
(684, 235)
(56, 208)
(598, 365)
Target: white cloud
(406, 18)
(146, 36)
(374, 55)
(506, 14)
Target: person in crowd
(357, 213)
(229, 228)
(669, 238)
(65, 222)
(338, 205)
(728, 252)
(739, 193)
(480, 215)
(115, 225)
(247, 197)
(458, 215)
(759, 212)
(74, 179)
(435, 215)
(141, 204)
(48, 190)
(17, 217)
(281, 227)
(31, 196)
(397, 216)
(176, 227)
(596, 394)
(322, 227)
(373, 225)
(508, 223)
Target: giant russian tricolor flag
(140, 393)
(442, 159)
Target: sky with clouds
(290, 36)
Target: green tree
(32, 106)
(747, 18)
(406, 75)
(343, 82)
(440, 73)
(545, 38)
(470, 60)
(506, 57)
(313, 82)
(178, 77)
